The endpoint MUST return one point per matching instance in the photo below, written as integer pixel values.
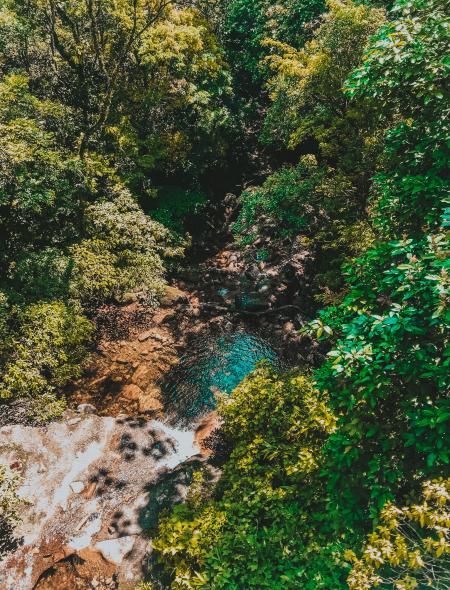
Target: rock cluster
(92, 486)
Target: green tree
(325, 202)
(84, 51)
(41, 185)
(44, 353)
(387, 375)
(247, 23)
(141, 80)
(405, 72)
(122, 252)
(307, 89)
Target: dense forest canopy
(121, 119)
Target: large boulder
(172, 295)
(87, 482)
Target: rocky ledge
(93, 487)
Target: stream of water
(212, 366)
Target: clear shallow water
(211, 366)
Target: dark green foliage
(406, 72)
(388, 376)
(174, 205)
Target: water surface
(211, 366)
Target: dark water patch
(210, 367)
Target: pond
(212, 366)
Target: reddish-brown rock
(145, 374)
(131, 392)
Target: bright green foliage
(285, 409)
(39, 182)
(311, 200)
(45, 352)
(55, 334)
(143, 81)
(121, 252)
(257, 534)
(387, 376)
(247, 23)
(9, 501)
(183, 119)
(411, 548)
(89, 46)
(406, 72)
(307, 88)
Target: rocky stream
(95, 480)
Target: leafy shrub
(121, 253)
(9, 501)
(405, 71)
(308, 102)
(304, 199)
(247, 23)
(44, 353)
(42, 275)
(95, 273)
(410, 548)
(387, 375)
(257, 533)
(285, 197)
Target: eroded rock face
(88, 481)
